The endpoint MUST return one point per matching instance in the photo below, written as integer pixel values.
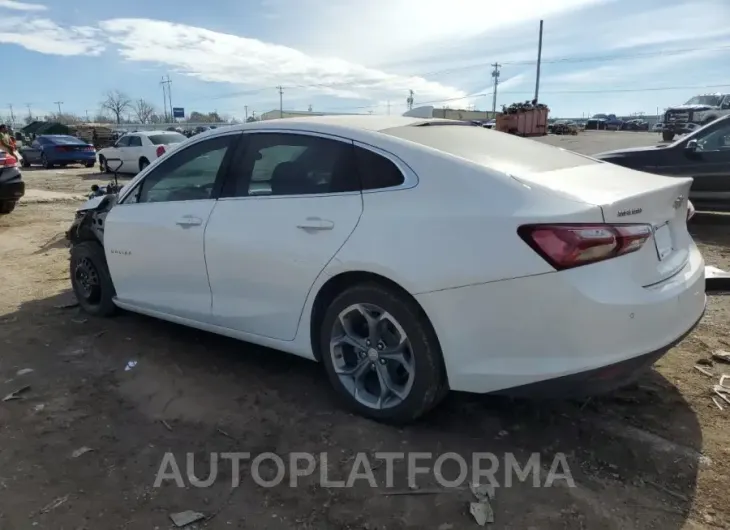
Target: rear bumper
(12, 191)
(513, 333)
(597, 381)
(81, 157)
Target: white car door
(133, 153)
(154, 237)
(113, 155)
(291, 202)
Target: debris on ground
(54, 504)
(717, 402)
(482, 509)
(167, 425)
(70, 305)
(16, 395)
(80, 320)
(130, 365)
(224, 433)
(24, 371)
(704, 371)
(704, 361)
(81, 451)
(721, 356)
(185, 518)
(722, 390)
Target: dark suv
(12, 187)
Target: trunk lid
(631, 197)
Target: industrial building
(451, 114)
(276, 114)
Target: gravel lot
(652, 456)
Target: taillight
(9, 161)
(565, 246)
(160, 150)
(89, 148)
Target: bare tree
(116, 102)
(65, 117)
(143, 110)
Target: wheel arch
(337, 284)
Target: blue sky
(616, 56)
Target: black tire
(708, 120)
(103, 165)
(429, 385)
(667, 136)
(96, 298)
(143, 163)
(45, 163)
(25, 163)
(7, 207)
(89, 164)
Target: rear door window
(376, 171)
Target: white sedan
(409, 256)
(135, 151)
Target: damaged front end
(88, 225)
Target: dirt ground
(654, 456)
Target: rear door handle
(189, 220)
(315, 223)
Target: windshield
(167, 138)
(66, 140)
(705, 100)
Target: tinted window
(717, 140)
(293, 164)
(187, 175)
(135, 141)
(376, 171)
(167, 138)
(123, 142)
(43, 140)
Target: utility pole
(495, 75)
(388, 107)
(12, 116)
(409, 101)
(30, 114)
(245, 109)
(167, 96)
(539, 60)
(59, 103)
(87, 116)
(281, 101)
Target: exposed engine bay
(88, 225)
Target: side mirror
(691, 146)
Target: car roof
(150, 133)
(373, 123)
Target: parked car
(703, 155)
(596, 124)
(400, 253)
(49, 150)
(12, 187)
(612, 122)
(564, 127)
(635, 125)
(138, 150)
(658, 127)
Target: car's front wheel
(7, 207)
(91, 280)
(45, 162)
(667, 136)
(381, 354)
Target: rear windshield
(167, 138)
(497, 150)
(66, 140)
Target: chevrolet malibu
(408, 256)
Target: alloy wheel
(372, 356)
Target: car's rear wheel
(7, 206)
(103, 165)
(89, 164)
(25, 163)
(667, 136)
(381, 354)
(143, 163)
(90, 279)
(45, 163)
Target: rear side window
(376, 171)
(135, 141)
(167, 139)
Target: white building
(276, 114)
(450, 114)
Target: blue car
(49, 150)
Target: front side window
(717, 140)
(122, 142)
(186, 176)
(135, 141)
(296, 164)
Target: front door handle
(189, 220)
(315, 223)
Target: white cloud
(45, 36)
(223, 58)
(21, 6)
